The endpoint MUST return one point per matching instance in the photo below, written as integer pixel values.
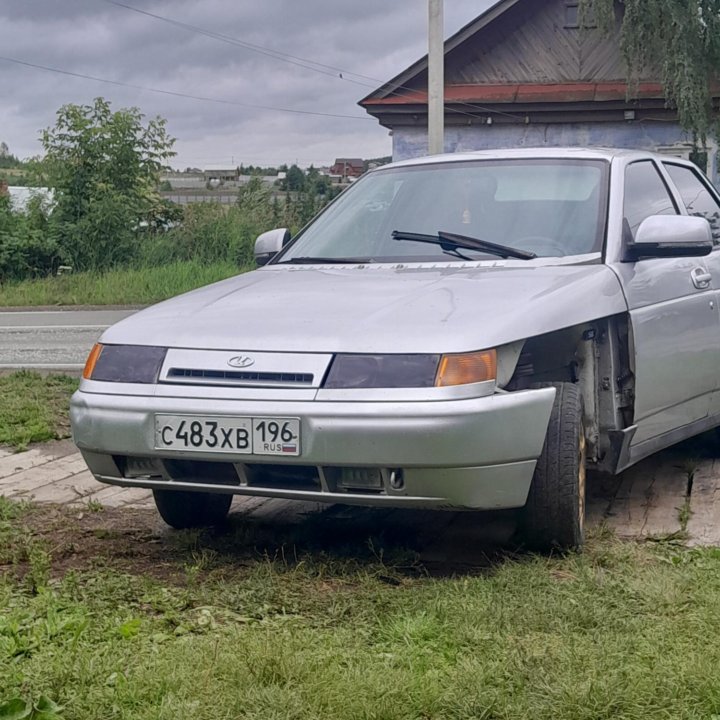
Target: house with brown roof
(526, 74)
(348, 168)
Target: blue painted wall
(412, 142)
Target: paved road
(52, 340)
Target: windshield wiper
(324, 261)
(450, 241)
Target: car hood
(378, 308)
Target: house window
(573, 16)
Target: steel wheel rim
(582, 445)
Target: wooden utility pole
(436, 78)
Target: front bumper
(477, 453)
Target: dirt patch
(132, 541)
(138, 542)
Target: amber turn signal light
(466, 368)
(92, 359)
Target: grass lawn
(34, 408)
(109, 617)
(139, 286)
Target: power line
(313, 65)
(277, 54)
(144, 88)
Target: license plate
(234, 435)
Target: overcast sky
(376, 38)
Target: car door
(701, 199)
(674, 319)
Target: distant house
(525, 74)
(221, 174)
(184, 180)
(348, 168)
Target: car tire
(554, 515)
(181, 509)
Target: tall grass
(124, 286)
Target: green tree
(678, 41)
(7, 159)
(104, 167)
(295, 179)
(255, 203)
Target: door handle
(701, 278)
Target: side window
(697, 197)
(645, 195)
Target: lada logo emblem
(240, 361)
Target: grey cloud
(377, 38)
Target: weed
(34, 408)
(95, 506)
(20, 709)
(684, 514)
(12, 509)
(38, 572)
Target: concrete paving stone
(601, 489)
(649, 500)
(144, 504)
(280, 510)
(12, 463)
(106, 495)
(703, 527)
(666, 498)
(117, 497)
(30, 479)
(70, 489)
(244, 505)
(133, 496)
(17, 462)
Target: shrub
(27, 248)
(104, 167)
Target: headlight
(124, 363)
(382, 371)
(411, 371)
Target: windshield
(549, 207)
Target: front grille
(283, 477)
(202, 471)
(261, 476)
(271, 476)
(239, 376)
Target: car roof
(578, 153)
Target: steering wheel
(542, 245)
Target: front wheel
(181, 509)
(554, 515)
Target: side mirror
(269, 244)
(669, 236)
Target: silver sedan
(464, 332)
